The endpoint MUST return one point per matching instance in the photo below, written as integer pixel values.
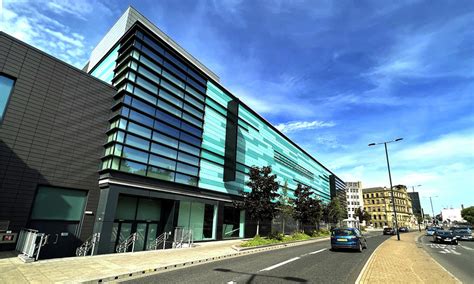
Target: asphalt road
(459, 260)
(313, 263)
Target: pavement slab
(403, 262)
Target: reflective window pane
(166, 129)
(144, 119)
(137, 142)
(188, 159)
(172, 89)
(188, 148)
(162, 162)
(134, 154)
(170, 98)
(140, 130)
(163, 150)
(165, 139)
(132, 167)
(160, 173)
(143, 107)
(144, 95)
(147, 85)
(193, 120)
(187, 169)
(168, 118)
(190, 139)
(191, 129)
(185, 179)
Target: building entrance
(138, 215)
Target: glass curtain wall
(199, 217)
(156, 125)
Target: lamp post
(390, 178)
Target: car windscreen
(444, 233)
(343, 233)
(461, 232)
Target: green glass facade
(175, 128)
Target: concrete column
(105, 219)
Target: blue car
(430, 231)
(347, 238)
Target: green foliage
(335, 211)
(362, 215)
(276, 236)
(260, 201)
(308, 210)
(259, 241)
(299, 236)
(320, 233)
(285, 206)
(468, 214)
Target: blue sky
(333, 75)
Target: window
(6, 86)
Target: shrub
(276, 236)
(299, 236)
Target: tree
(468, 214)
(285, 206)
(261, 202)
(335, 211)
(307, 209)
(362, 215)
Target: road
(459, 260)
(313, 263)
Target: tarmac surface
(405, 261)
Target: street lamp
(413, 187)
(390, 178)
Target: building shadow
(254, 275)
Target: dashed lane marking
(318, 251)
(280, 264)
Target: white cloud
(303, 125)
(31, 23)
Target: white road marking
(455, 252)
(231, 282)
(315, 252)
(468, 248)
(280, 264)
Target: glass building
(180, 145)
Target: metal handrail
(30, 243)
(161, 239)
(89, 244)
(231, 232)
(130, 241)
(181, 236)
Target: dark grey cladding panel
(230, 161)
(52, 132)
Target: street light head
(398, 139)
(371, 144)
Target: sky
(334, 76)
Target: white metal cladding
(124, 23)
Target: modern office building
(53, 119)
(377, 202)
(171, 146)
(354, 198)
(415, 201)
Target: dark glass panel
(137, 142)
(199, 78)
(143, 71)
(188, 148)
(165, 139)
(162, 162)
(191, 129)
(175, 61)
(193, 120)
(172, 89)
(140, 130)
(153, 44)
(168, 118)
(193, 92)
(150, 64)
(134, 154)
(144, 95)
(143, 107)
(196, 85)
(132, 167)
(188, 159)
(190, 139)
(175, 70)
(147, 85)
(166, 106)
(192, 101)
(187, 169)
(160, 173)
(163, 150)
(166, 129)
(143, 119)
(194, 111)
(169, 97)
(152, 55)
(186, 179)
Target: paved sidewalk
(111, 267)
(403, 262)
